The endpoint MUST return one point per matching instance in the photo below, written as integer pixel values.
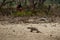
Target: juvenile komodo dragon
(33, 29)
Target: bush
(23, 13)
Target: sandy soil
(49, 31)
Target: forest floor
(12, 29)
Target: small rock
(13, 30)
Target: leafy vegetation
(29, 7)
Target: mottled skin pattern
(33, 29)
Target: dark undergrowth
(43, 11)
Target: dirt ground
(49, 31)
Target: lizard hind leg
(31, 30)
(37, 31)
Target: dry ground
(49, 31)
